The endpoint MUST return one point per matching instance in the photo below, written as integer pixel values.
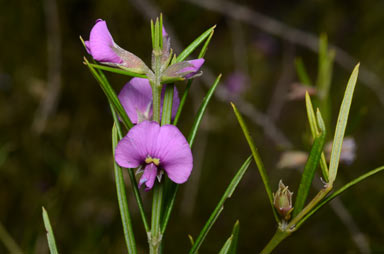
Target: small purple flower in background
(156, 149)
(236, 83)
(136, 98)
(103, 48)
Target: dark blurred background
(55, 124)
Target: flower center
(150, 160)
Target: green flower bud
(282, 201)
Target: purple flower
(236, 82)
(103, 49)
(101, 45)
(156, 149)
(183, 70)
(193, 68)
(136, 98)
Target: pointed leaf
(131, 174)
(220, 206)
(50, 236)
(339, 192)
(315, 132)
(309, 172)
(188, 50)
(235, 239)
(122, 199)
(111, 95)
(227, 246)
(257, 158)
(116, 70)
(341, 125)
(302, 72)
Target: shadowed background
(55, 124)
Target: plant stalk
(279, 236)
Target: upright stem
(155, 235)
(276, 239)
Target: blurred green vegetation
(66, 165)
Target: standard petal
(101, 43)
(136, 98)
(137, 145)
(174, 153)
(149, 176)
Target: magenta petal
(174, 153)
(136, 98)
(134, 148)
(194, 68)
(164, 32)
(149, 176)
(101, 44)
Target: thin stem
(156, 236)
(319, 197)
(279, 236)
(8, 241)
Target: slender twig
(294, 35)
(49, 103)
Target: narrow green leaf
(188, 50)
(220, 206)
(341, 125)
(302, 72)
(122, 199)
(201, 111)
(50, 236)
(167, 104)
(309, 173)
(182, 102)
(111, 95)
(257, 158)
(186, 91)
(235, 239)
(131, 174)
(227, 246)
(315, 132)
(339, 192)
(191, 137)
(116, 70)
(191, 239)
(153, 34)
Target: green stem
(319, 197)
(156, 236)
(279, 236)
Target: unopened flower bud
(282, 201)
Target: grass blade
(235, 239)
(118, 71)
(227, 246)
(111, 95)
(201, 111)
(309, 170)
(220, 206)
(122, 199)
(188, 50)
(257, 158)
(302, 72)
(315, 132)
(341, 125)
(50, 236)
(339, 192)
(131, 174)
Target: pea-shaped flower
(156, 149)
(136, 98)
(103, 48)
